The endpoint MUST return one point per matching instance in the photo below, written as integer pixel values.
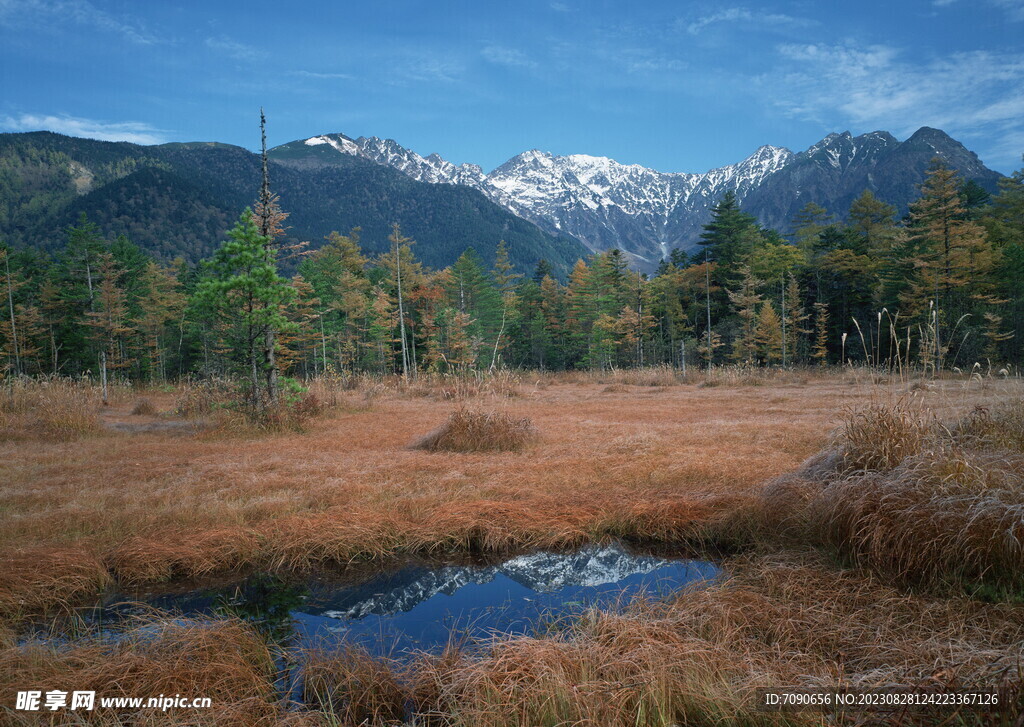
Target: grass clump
(48, 578)
(914, 499)
(222, 659)
(351, 686)
(469, 430)
(879, 437)
(144, 407)
(54, 409)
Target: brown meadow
(863, 523)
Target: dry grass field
(892, 558)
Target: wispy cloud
(233, 48)
(747, 17)
(36, 13)
(324, 76)
(510, 57)
(426, 67)
(1014, 8)
(133, 131)
(978, 95)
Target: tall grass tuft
(222, 659)
(879, 436)
(470, 430)
(55, 409)
(144, 407)
(917, 500)
(352, 687)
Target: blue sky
(671, 85)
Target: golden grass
(472, 430)
(649, 464)
(222, 659)
(635, 456)
(45, 577)
(54, 409)
(927, 502)
(698, 658)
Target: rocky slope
(647, 213)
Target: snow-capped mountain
(647, 213)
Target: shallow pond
(421, 605)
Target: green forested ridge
(181, 199)
(938, 289)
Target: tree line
(939, 288)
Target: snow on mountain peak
(337, 141)
(606, 204)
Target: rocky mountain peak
(646, 213)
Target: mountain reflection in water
(423, 606)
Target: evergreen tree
(161, 301)
(474, 294)
(1004, 222)
(808, 224)
(875, 222)
(729, 238)
(337, 274)
(244, 293)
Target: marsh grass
(836, 570)
(352, 686)
(223, 659)
(54, 409)
(910, 497)
(144, 407)
(474, 430)
(47, 579)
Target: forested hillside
(180, 200)
(941, 288)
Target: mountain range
(647, 213)
(180, 199)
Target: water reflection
(421, 605)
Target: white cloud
(36, 13)
(233, 48)
(1014, 8)
(746, 16)
(507, 57)
(133, 131)
(974, 95)
(324, 76)
(426, 67)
